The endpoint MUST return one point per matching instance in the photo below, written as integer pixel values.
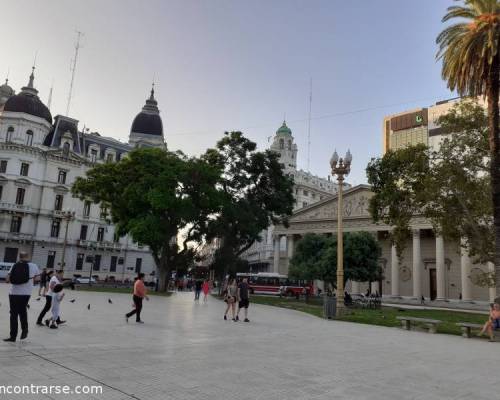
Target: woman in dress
(205, 288)
(231, 298)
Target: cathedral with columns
(429, 266)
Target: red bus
(276, 284)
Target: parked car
(84, 280)
(4, 269)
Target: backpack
(20, 273)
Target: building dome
(27, 101)
(5, 92)
(284, 129)
(148, 121)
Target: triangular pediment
(71, 156)
(355, 201)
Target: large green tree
(316, 258)
(153, 194)
(469, 50)
(254, 193)
(451, 181)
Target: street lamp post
(341, 168)
(67, 215)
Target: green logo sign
(418, 119)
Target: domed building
(40, 158)
(147, 127)
(5, 93)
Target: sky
(222, 65)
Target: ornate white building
(40, 158)
(308, 189)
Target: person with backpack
(22, 277)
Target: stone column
(354, 287)
(374, 287)
(289, 246)
(417, 265)
(276, 265)
(465, 268)
(440, 269)
(394, 272)
(492, 291)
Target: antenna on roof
(49, 100)
(309, 125)
(73, 69)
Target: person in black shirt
(43, 283)
(243, 295)
(197, 289)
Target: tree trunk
(162, 279)
(494, 139)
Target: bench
(467, 328)
(430, 324)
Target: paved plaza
(186, 351)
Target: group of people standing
(236, 294)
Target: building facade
(429, 265)
(40, 158)
(308, 189)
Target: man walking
(139, 295)
(55, 280)
(197, 289)
(22, 276)
(43, 283)
(243, 295)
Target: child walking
(57, 297)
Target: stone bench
(467, 328)
(430, 324)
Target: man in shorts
(243, 295)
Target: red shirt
(139, 288)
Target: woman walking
(139, 295)
(231, 297)
(205, 288)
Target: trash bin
(329, 307)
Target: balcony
(12, 208)
(13, 236)
(107, 246)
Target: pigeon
(38, 299)
(88, 307)
(72, 301)
(109, 301)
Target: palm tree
(471, 61)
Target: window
(306, 193)
(54, 229)
(80, 257)
(100, 234)
(304, 204)
(109, 157)
(116, 237)
(8, 136)
(83, 232)
(3, 166)
(61, 178)
(104, 212)
(29, 138)
(93, 155)
(20, 196)
(97, 262)
(59, 202)
(1, 191)
(66, 149)
(282, 144)
(24, 169)
(289, 145)
(138, 265)
(86, 209)
(112, 267)
(15, 224)
(51, 257)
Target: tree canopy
(153, 194)
(316, 258)
(452, 181)
(254, 193)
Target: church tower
(283, 145)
